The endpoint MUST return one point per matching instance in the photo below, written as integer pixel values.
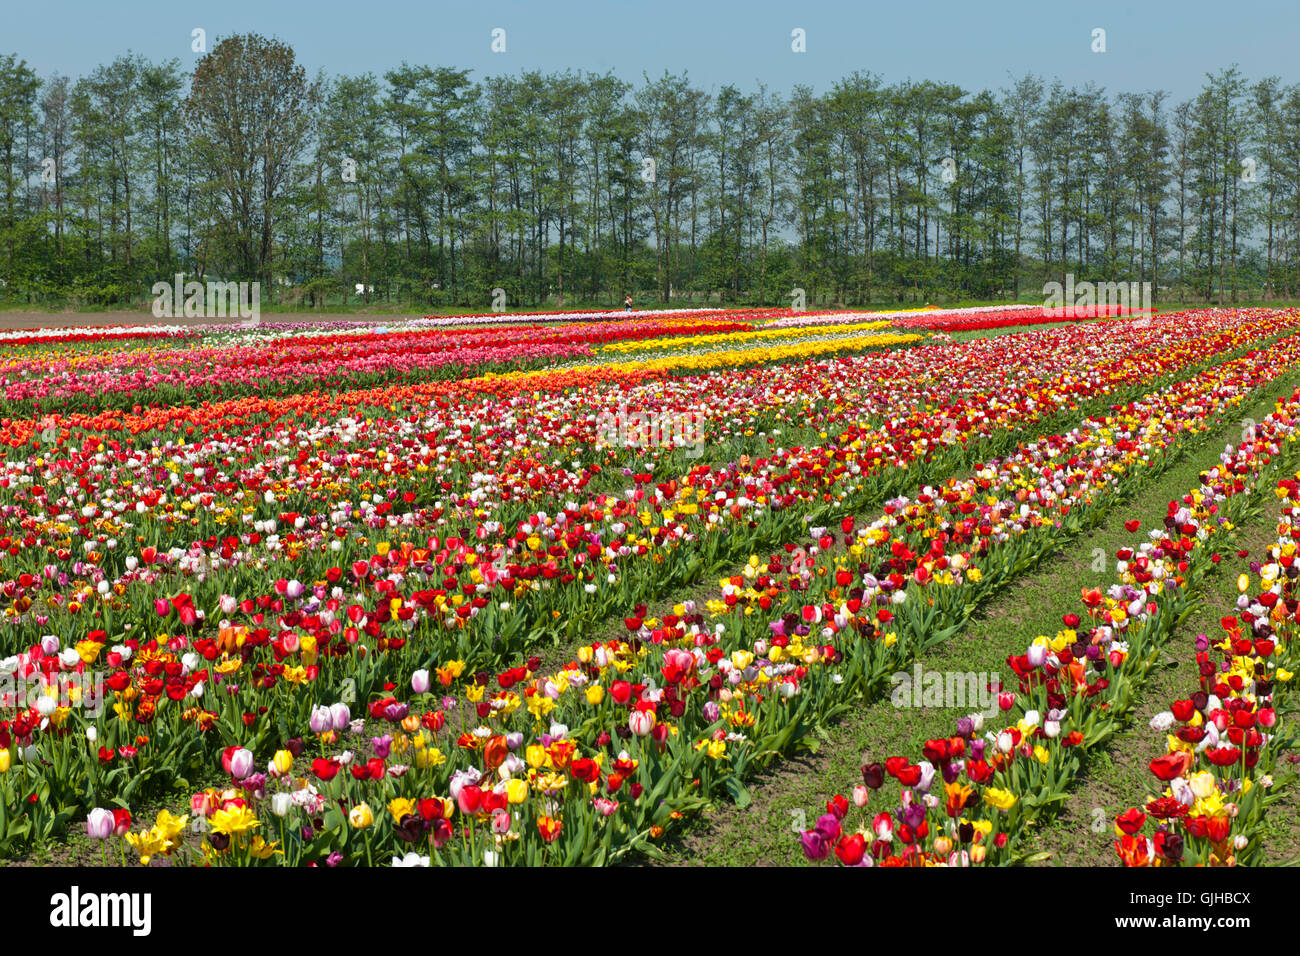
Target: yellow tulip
(361, 816)
(232, 822)
(516, 790)
(400, 807)
(1001, 799)
(429, 757)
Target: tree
(250, 119)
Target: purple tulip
(828, 825)
(814, 845)
(912, 814)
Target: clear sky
(1150, 44)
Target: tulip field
(580, 588)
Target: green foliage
(430, 188)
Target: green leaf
(739, 793)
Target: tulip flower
(100, 824)
(241, 763)
(641, 722)
(361, 817)
(340, 716)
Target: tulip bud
(361, 816)
(1202, 784)
(340, 716)
(516, 790)
(320, 720)
(241, 763)
(99, 824)
(281, 763)
(641, 722)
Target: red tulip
(1223, 756)
(325, 768)
(851, 849)
(1131, 820)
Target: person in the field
(627, 303)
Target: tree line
(430, 188)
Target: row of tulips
(98, 336)
(579, 766)
(951, 319)
(701, 338)
(970, 798)
(514, 318)
(1224, 740)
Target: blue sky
(1150, 44)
